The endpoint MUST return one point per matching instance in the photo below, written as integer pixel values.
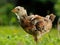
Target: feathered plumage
(34, 24)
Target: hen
(34, 24)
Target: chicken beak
(14, 11)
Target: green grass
(15, 35)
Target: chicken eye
(18, 9)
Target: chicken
(34, 24)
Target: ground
(15, 35)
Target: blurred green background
(13, 34)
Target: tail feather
(51, 17)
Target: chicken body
(33, 24)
